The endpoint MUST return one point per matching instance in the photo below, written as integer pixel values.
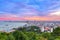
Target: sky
(38, 10)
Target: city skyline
(39, 10)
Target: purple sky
(30, 8)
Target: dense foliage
(30, 35)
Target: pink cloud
(54, 16)
(37, 18)
(56, 13)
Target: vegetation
(56, 31)
(23, 34)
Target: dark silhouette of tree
(56, 31)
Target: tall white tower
(42, 29)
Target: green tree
(3, 36)
(57, 38)
(34, 29)
(10, 37)
(56, 31)
(19, 35)
(47, 35)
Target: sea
(8, 26)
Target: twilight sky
(40, 10)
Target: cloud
(43, 18)
(5, 14)
(20, 6)
(56, 13)
(33, 18)
(30, 10)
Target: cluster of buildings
(44, 26)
